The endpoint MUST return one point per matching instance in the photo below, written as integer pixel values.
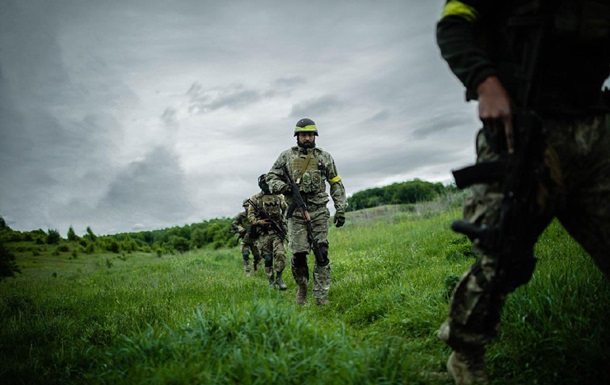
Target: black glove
(285, 189)
(339, 219)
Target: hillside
(194, 317)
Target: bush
(53, 237)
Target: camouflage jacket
(311, 169)
(240, 224)
(273, 205)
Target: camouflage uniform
(241, 227)
(311, 169)
(270, 242)
(576, 131)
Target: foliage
(8, 266)
(196, 318)
(72, 237)
(412, 191)
(53, 237)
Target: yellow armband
(457, 8)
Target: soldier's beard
(311, 144)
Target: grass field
(195, 318)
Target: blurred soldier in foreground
(301, 173)
(242, 227)
(266, 212)
(536, 69)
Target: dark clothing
(479, 38)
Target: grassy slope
(196, 318)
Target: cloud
(148, 193)
(137, 114)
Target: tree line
(412, 191)
(212, 233)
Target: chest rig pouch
(310, 173)
(271, 205)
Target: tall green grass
(196, 318)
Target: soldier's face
(306, 138)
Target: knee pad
(324, 252)
(299, 260)
(268, 260)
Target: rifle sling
(304, 168)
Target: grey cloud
(151, 192)
(235, 96)
(289, 82)
(439, 124)
(316, 107)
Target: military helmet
(306, 125)
(262, 183)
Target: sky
(135, 115)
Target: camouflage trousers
(301, 247)
(248, 247)
(273, 251)
(577, 156)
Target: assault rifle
(519, 175)
(299, 203)
(278, 227)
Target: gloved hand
(285, 189)
(339, 219)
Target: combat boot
(280, 282)
(467, 369)
(322, 301)
(271, 282)
(247, 267)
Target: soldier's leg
(256, 256)
(300, 273)
(321, 273)
(245, 253)
(266, 250)
(586, 215)
(478, 299)
(299, 246)
(279, 256)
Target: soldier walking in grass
(310, 168)
(247, 235)
(266, 212)
(536, 69)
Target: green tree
(90, 234)
(180, 244)
(53, 237)
(72, 237)
(8, 266)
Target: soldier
(266, 212)
(550, 58)
(310, 168)
(242, 227)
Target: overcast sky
(132, 115)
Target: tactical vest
(560, 53)
(271, 205)
(309, 173)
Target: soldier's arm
(275, 176)
(456, 36)
(337, 190)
